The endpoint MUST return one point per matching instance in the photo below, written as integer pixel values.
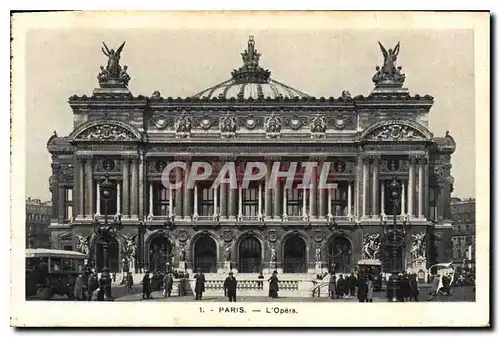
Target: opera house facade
(122, 144)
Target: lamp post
(394, 239)
(106, 193)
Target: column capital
(128, 156)
(366, 159)
(413, 158)
(84, 156)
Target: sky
(65, 61)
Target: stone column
(134, 189)
(150, 199)
(126, 188)
(426, 189)
(349, 199)
(366, 197)
(240, 203)
(382, 198)
(284, 211)
(421, 165)
(313, 193)
(142, 185)
(188, 201)
(223, 201)
(411, 186)
(329, 203)
(98, 198)
(216, 203)
(268, 212)
(259, 214)
(170, 201)
(304, 203)
(178, 194)
(81, 188)
(375, 188)
(61, 204)
(277, 201)
(195, 205)
(402, 212)
(233, 202)
(118, 199)
(89, 195)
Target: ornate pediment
(396, 130)
(107, 131)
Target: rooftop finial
(251, 72)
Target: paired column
(366, 167)
(150, 199)
(349, 199)
(188, 200)
(268, 212)
(126, 189)
(284, 191)
(375, 187)
(61, 204)
(411, 187)
(277, 201)
(178, 193)
(382, 199)
(421, 169)
(89, 195)
(312, 196)
(329, 206)
(240, 202)
(233, 202)
(98, 198)
(216, 203)
(134, 202)
(403, 194)
(304, 203)
(195, 205)
(81, 186)
(259, 214)
(118, 199)
(223, 201)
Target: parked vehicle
(51, 271)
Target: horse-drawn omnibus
(51, 271)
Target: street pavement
(459, 294)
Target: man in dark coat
(93, 284)
(200, 285)
(352, 284)
(146, 286)
(273, 285)
(340, 287)
(168, 282)
(230, 287)
(413, 288)
(362, 288)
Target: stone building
(463, 213)
(37, 223)
(252, 117)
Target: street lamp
(394, 239)
(106, 191)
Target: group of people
(89, 286)
(152, 283)
(441, 285)
(342, 287)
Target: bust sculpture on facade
(182, 255)
(317, 254)
(227, 253)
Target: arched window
(250, 255)
(294, 255)
(205, 255)
(160, 253)
(339, 255)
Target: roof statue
(113, 73)
(251, 72)
(389, 73)
(251, 56)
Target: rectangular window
(339, 199)
(68, 213)
(205, 200)
(294, 201)
(250, 202)
(161, 199)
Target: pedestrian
(369, 289)
(93, 284)
(332, 285)
(352, 285)
(114, 277)
(405, 284)
(273, 285)
(146, 286)
(340, 287)
(260, 283)
(130, 281)
(362, 288)
(168, 282)
(200, 285)
(78, 288)
(434, 287)
(413, 288)
(230, 287)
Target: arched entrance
(106, 253)
(250, 255)
(160, 254)
(339, 255)
(294, 255)
(205, 254)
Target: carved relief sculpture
(227, 253)
(228, 125)
(106, 132)
(273, 126)
(183, 125)
(318, 124)
(418, 248)
(317, 254)
(371, 246)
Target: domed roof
(250, 81)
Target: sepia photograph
(241, 169)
